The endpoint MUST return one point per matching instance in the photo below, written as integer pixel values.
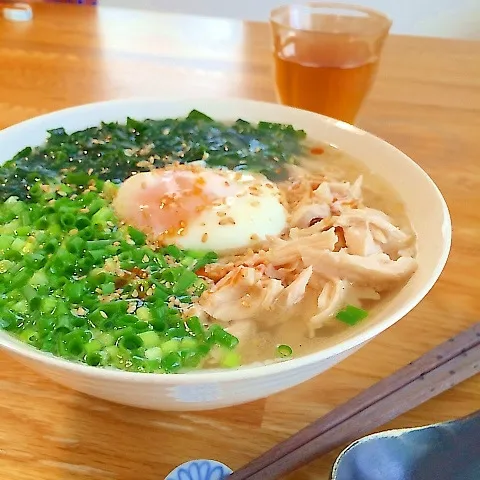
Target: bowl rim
(252, 371)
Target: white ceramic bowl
(213, 389)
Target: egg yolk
(162, 202)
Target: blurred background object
(442, 18)
(16, 12)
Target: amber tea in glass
(326, 56)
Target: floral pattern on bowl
(200, 470)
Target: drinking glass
(326, 55)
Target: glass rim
(370, 12)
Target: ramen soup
(169, 245)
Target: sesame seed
(103, 314)
(145, 164)
(146, 149)
(227, 221)
(204, 237)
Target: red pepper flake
(341, 243)
(315, 220)
(139, 272)
(317, 151)
(201, 271)
(129, 275)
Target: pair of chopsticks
(435, 372)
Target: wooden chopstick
(438, 370)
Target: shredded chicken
(241, 295)
(295, 292)
(330, 301)
(334, 295)
(304, 215)
(335, 249)
(369, 231)
(247, 293)
(284, 252)
(378, 271)
(311, 200)
(340, 194)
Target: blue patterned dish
(445, 451)
(200, 470)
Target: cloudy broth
(334, 164)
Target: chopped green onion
(284, 350)
(93, 359)
(170, 346)
(137, 236)
(108, 288)
(195, 326)
(73, 283)
(150, 339)
(222, 337)
(172, 362)
(231, 359)
(82, 222)
(131, 341)
(351, 315)
(174, 251)
(153, 353)
(67, 220)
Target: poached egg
(200, 208)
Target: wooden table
(426, 101)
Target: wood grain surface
(426, 101)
